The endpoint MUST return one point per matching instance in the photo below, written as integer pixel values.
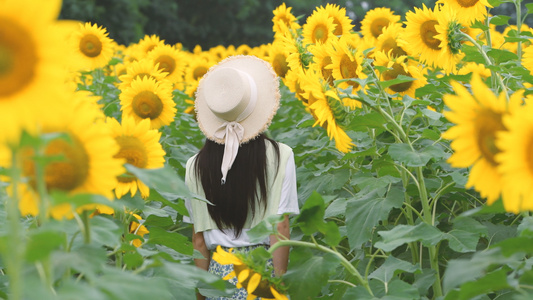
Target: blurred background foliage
(209, 23)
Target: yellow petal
(243, 275)
(253, 283)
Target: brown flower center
(279, 63)
(199, 72)
(320, 34)
(166, 63)
(390, 44)
(146, 104)
(467, 3)
(327, 73)
(348, 69)
(133, 150)
(68, 170)
(376, 28)
(428, 33)
(488, 123)
(397, 70)
(18, 58)
(90, 45)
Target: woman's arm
(199, 244)
(281, 255)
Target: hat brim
(267, 83)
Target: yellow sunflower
(256, 283)
(343, 24)
(468, 11)
(515, 160)
(140, 69)
(346, 63)
(420, 35)
(170, 60)
(293, 49)
(292, 81)
(31, 63)
(243, 50)
(400, 66)
(149, 42)
(196, 69)
(91, 47)
(375, 20)
(283, 20)
(527, 59)
(318, 28)
(327, 109)
(478, 120)
(448, 28)
(140, 147)
(389, 41)
(278, 59)
(321, 59)
(149, 99)
(474, 68)
(87, 164)
(513, 46)
(137, 228)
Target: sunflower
(318, 28)
(87, 166)
(346, 63)
(91, 46)
(170, 60)
(389, 41)
(256, 283)
(420, 35)
(397, 66)
(283, 20)
(515, 160)
(513, 46)
(31, 63)
(293, 49)
(243, 50)
(327, 109)
(527, 59)
(474, 68)
(449, 34)
(278, 59)
(292, 81)
(321, 59)
(140, 147)
(140, 69)
(478, 119)
(196, 69)
(219, 52)
(343, 24)
(468, 11)
(149, 99)
(149, 42)
(137, 228)
(375, 20)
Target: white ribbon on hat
(233, 132)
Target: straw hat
(236, 101)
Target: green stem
(86, 226)
(41, 186)
(488, 62)
(343, 260)
(15, 247)
(518, 5)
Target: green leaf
(365, 211)
(311, 214)
(154, 220)
(514, 245)
(264, 229)
(465, 234)
(104, 231)
(499, 20)
(172, 240)
(308, 273)
(366, 121)
(125, 285)
(42, 242)
(417, 157)
(403, 234)
(164, 180)
(501, 56)
(491, 282)
(133, 260)
(397, 80)
(392, 267)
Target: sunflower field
(413, 141)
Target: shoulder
(190, 161)
(283, 148)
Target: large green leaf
(311, 220)
(390, 268)
(123, 285)
(42, 242)
(308, 273)
(364, 212)
(491, 282)
(403, 234)
(173, 240)
(415, 157)
(465, 234)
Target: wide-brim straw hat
(224, 94)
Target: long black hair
(238, 197)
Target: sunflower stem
(343, 260)
(518, 5)
(488, 62)
(86, 226)
(15, 248)
(41, 185)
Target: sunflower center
(327, 73)
(142, 75)
(338, 27)
(166, 63)
(348, 69)
(467, 3)
(18, 58)
(90, 45)
(397, 70)
(146, 104)
(376, 28)
(428, 33)
(488, 124)
(66, 173)
(390, 44)
(280, 65)
(320, 33)
(199, 72)
(133, 150)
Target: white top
(288, 204)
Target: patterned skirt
(223, 270)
